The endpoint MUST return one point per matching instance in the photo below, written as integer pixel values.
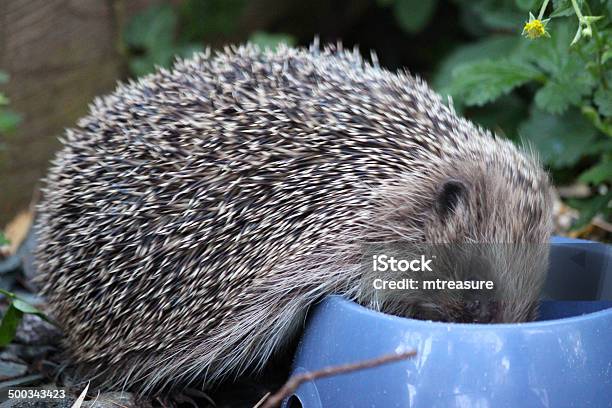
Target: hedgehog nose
(481, 312)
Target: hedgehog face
(512, 296)
(491, 229)
(481, 224)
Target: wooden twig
(274, 400)
(262, 400)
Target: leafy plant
(8, 118)
(266, 40)
(561, 73)
(151, 39)
(411, 15)
(12, 317)
(162, 32)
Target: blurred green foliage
(151, 40)
(266, 40)
(8, 118)
(160, 33)
(551, 94)
(412, 15)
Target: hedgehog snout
(478, 311)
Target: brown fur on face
(493, 222)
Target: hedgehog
(195, 214)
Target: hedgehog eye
(450, 194)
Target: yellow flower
(535, 28)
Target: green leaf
(8, 327)
(603, 100)
(590, 207)
(154, 28)
(413, 15)
(501, 116)
(556, 97)
(601, 172)
(271, 41)
(563, 12)
(3, 240)
(481, 17)
(141, 66)
(562, 9)
(569, 81)
(160, 57)
(3, 77)
(484, 81)
(503, 19)
(557, 4)
(187, 50)
(25, 307)
(487, 48)
(8, 121)
(561, 140)
(528, 5)
(152, 36)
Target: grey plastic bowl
(562, 360)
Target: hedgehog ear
(449, 196)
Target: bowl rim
(357, 308)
